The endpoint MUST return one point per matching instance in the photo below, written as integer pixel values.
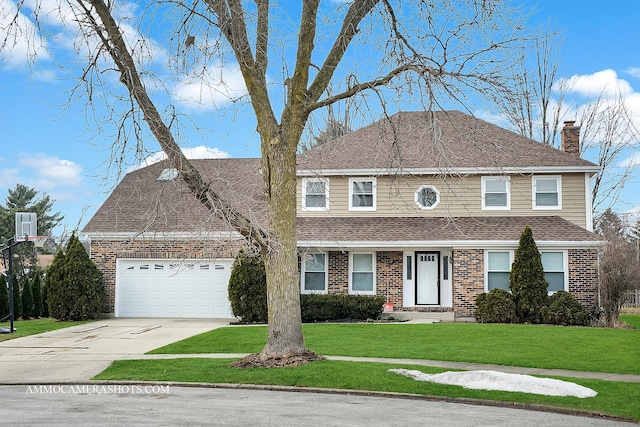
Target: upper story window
(547, 192)
(496, 193)
(362, 194)
(315, 194)
(314, 273)
(427, 197)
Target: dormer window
(168, 175)
(315, 194)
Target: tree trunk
(281, 261)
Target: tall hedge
(74, 284)
(27, 298)
(248, 288)
(17, 299)
(526, 281)
(4, 297)
(36, 289)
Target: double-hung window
(496, 193)
(547, 192)
(362, 274)
(362, 194)
(497, 269)
(553, 263)
(314, 273)
(315, 194)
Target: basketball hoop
(38, 241)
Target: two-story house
(425, 209)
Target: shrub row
(561, 308)
(321, 307)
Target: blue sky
(55, 147)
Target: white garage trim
(173, 288)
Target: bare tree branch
(113, 42)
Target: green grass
(614, 398)
(631, 319)
(35, 326)
(536, 346)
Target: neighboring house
(425, 209)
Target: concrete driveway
(78, 353)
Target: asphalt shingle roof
(140, 203)
(440, 139)
(389, 229)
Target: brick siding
(583, 276)
(468, 280)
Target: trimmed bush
(526, 281)
(322, 308)
(74, 284)
(36, 289)
(248, 288)
(27, 298)
(564, 309)
(496, 306)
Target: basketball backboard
(26, 226)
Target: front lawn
(34, 326)
(535, 346)
(614, 398)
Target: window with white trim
(362, 273)
(315, 194)
(314, 273)
(497, 269)
(362, 194)
(427, 197)
(547, 192)
(555, 271)
(496, 193)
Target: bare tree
(541, 101)
(436, 52)
(619, 270)
(531, 109)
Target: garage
(172, 288)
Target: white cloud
(631, 161)
(21, 42)
(52, 172)
(605, 82)
(633, 72)
(216, 86)
(200, 152)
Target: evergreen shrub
(496, 306)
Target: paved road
(27, 405)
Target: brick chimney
(571, 138)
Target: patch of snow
(492, 380)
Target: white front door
(427, 278)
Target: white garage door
(172, 288)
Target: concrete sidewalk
(78, 353)
(465, 366)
